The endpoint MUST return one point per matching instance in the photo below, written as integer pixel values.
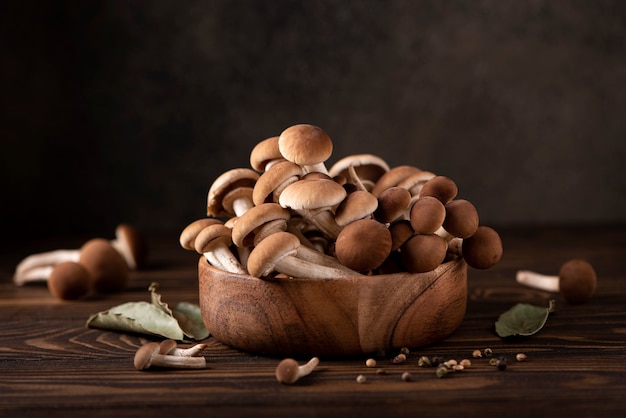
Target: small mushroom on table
(149, 355)
(576, 281)
(289, 371)
(69, 280)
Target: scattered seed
(501, 363)
(405, 351)
(436, 361)
(450, 363)
(361, 379)
(399, 359)
(442, 371)
(520, 357)
(488, 352)
(424, 361)
(406, 377)
(370, 362)
(458, 367)
(477, 354)
(381, 372)
(493, 361)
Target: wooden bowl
(342, 316)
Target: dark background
(127, 110)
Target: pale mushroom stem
(295, 266)
(241, 205)
(308, 368)
(314, 256)
(178, 362)
(315, 168)
(47, 258)
(35, 274)
(227, 259)
(539, 281)
(324, 220)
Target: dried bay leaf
(155, 318)
(523, 319)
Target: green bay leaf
(523, 319)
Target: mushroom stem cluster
(290, 213)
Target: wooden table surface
(52, 364)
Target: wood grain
(51, 364)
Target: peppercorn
(406, 377)
(361, 379)
(424, 361)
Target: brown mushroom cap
(224, 183)
(363, 245)
(423, 252)
(69, 280)
(368, 167)
(357, 205)
(287, 371)
(268, 187)
(244, 229)
(577, 281)
(393, 177)
(392, 202)
(188, 235)
(107, 268)
(441, 187)
(312, 194)
(305, 145)
(483, 249)
(427, 215)
(132, 245)
(145, 354)
(265, 153)
(401, 231)
(416, 181)
(264, 256)
(461, 218)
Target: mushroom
(37, 267)
(362, 168)
(427, 215)
(188, 236)
(441, 187)
(392, 203)
(216, 240)
(170, 347)
(416, 181)
(482, 250)
(69, 280)
(363, 245)
(314, 199)
(265, 154)
(576, 281)
(393, 177)
(423, 252)
(461, 219)
(272, 182)
(289, 371)
(357, 205)
(148, 355)
(229, 182)
(279, 252)
(131, 244)
(264, 218)
(306, 145)
(107, 268)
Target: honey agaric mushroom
(248, 225)
(423, 252)
(188, 236)
(357, 205)
(148, 355)
(314, 200)
(289, 371)
(368, 168)
(37, 267)
(461, 218)
(306, 145)
(279, 252)
(441, 187)
(69, 280)
(392, 203)
(131, 244)
(363, 245)
(482, 250)
(576, 281)
(107, 268)
(401, 231)
(170, 347)
(265, 154)
(393, 177)
(216, 240)
(416, 181)
(227, 182)
(427, 215)
(272, 182)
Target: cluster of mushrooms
(289, 215)
(100, 265)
